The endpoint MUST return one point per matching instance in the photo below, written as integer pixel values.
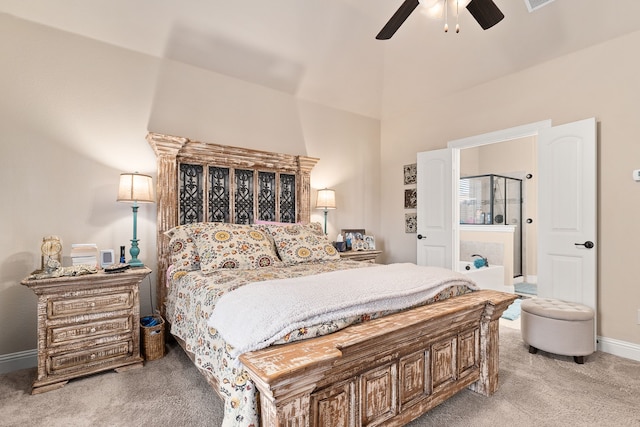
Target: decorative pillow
(222, 245)
(183, 250)
(260, 222)
(316, 227)
(297, 243)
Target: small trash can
(152, 337)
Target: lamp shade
(135, 187)
(326, 199)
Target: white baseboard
(20, 360)
(619, 348)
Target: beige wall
(75, 113)
(597, 82)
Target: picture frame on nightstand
(369, 242)
(357, 233)
(351, 235)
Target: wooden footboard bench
(387, 371)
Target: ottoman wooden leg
(578, 359)
(532, 349)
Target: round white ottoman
(558, 327)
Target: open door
(567, 206)
(437, 216)
(567, 222)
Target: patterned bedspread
(191, 299)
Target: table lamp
(326, 200)
(136, 188)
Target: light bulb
(433, 11)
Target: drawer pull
(93, 356)
(93, 304)
(92, 330)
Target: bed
(384, 365)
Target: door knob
(420, 236)
(588, 244)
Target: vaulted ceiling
(325, 50)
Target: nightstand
(368, 256)
(86, 324)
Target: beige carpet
(535, 390)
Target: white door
(567, 229)
(437, 229)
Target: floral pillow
(222, 245)
(297, 243)
(182, 249)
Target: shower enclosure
(494, 200)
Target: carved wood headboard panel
(199, 181)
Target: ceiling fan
(484, 11)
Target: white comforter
(258, 314)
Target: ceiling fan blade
(485, 12)
(397, 19)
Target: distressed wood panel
(468, 351)
(413, 377)
(334, 407)
(296, 411)
(443, 369)
(62, 334)
(378, 389)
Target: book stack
(84, 254)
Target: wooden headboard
(205, 182)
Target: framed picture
(369, 243)
(410, 174)
(356, 233)
(410, 198)
(411, 223)
(352, 235)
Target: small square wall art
(411, 222)
(410, 174)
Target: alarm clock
(106, 258)
(51, 248)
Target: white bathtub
(491, 277)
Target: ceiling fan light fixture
(436, 9)
(485, 12)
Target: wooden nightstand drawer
(83, 359)
(63, 334)
(90, 304)
(366, 256)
